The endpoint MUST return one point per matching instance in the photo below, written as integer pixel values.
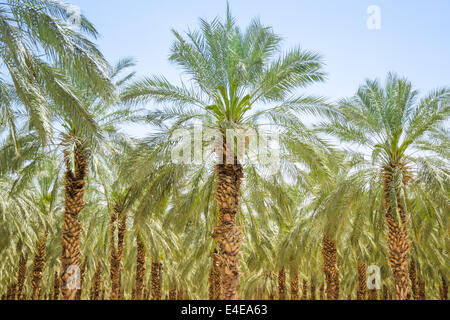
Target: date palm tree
(394, 124)
(231, 72)
(38, 48)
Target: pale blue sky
(414, 39)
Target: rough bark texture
(117, 217)
(443, 292)
(398, 243)
(173, 294)
(156, 280)
(56, 287)
(421, 289)
(413, 278)
(228, 235)
(282, 285)
(294, 286)
(140, 270)
(38, 267)
(214, 278)
(373, 294)
(21, 275)
(96, 285)
(305, 290)
(330, 267)
(75, 181)
(312, 290)
(362, 282)
(11, 292)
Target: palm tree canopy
(38, 48)
(230, 71)
(391, 119)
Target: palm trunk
(21, 275)
(373, 294)
(413, 278)
(116, 249)
(294, 286)
(305, 290)
(362, 281)
(74, 203)
(421, 289)
(38, 267)
(330, 267)
(398, 243)
(214, 278)
(97, 283)
(56, 287)
(228, 235)
(173, 293)
(11, 292)
(156, 280)
(313, 290)
(140, 270)
(321, 292)
(282, 284)
(443, 292)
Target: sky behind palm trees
(413, 40)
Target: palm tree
(38, 47)
(231, 73)
(391, 123)
(83, 141)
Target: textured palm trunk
(330, 267)
(74, 202)
(116, 249)
(11, 292)
(305, 290)
(398, 243)
(214, 278)
(228, 235)
(421, 289)
(38, 267)
(294, 286)
(173, 293)
(282, 284)
(96, 290)
(156, 280)
(140, 270)
(56, 286)
(413, 278)
(362, 282)
(443, 291)
(373, 294)
(21, 275)
(312, 290)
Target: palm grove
(87, 212)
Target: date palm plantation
(335, 190)
(392, 122)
